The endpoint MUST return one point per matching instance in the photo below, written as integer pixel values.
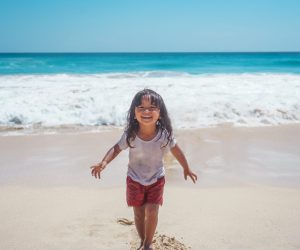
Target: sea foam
(192, 100)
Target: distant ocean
(200, 89)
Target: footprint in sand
(162, 242)
(124, 221)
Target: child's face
(146, 113)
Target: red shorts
(138, 194)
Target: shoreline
(19, 130)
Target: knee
(151, 210)
(139, 216)
(139, 213)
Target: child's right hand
(97, 169)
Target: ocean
(94, 90)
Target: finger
(99, 175)
(196, 177)
(94, 172)
(185, 176)
(192, 177)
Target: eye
(151, 108)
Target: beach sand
(247, 195)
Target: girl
(148, 135)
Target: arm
(179, 155)
(110, 155)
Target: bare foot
(148, 248)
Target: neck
(147, 131)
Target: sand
(247, 196)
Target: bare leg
(151, 218)
(139, 220)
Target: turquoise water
(192, 63)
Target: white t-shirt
(146, 157)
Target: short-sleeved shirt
(146, 157)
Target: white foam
(192, 100)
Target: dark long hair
(163, 123)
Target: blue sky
(149, 25)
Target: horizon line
(146, 52)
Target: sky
(149, 25)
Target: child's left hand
(179, 155)
(188, 173)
